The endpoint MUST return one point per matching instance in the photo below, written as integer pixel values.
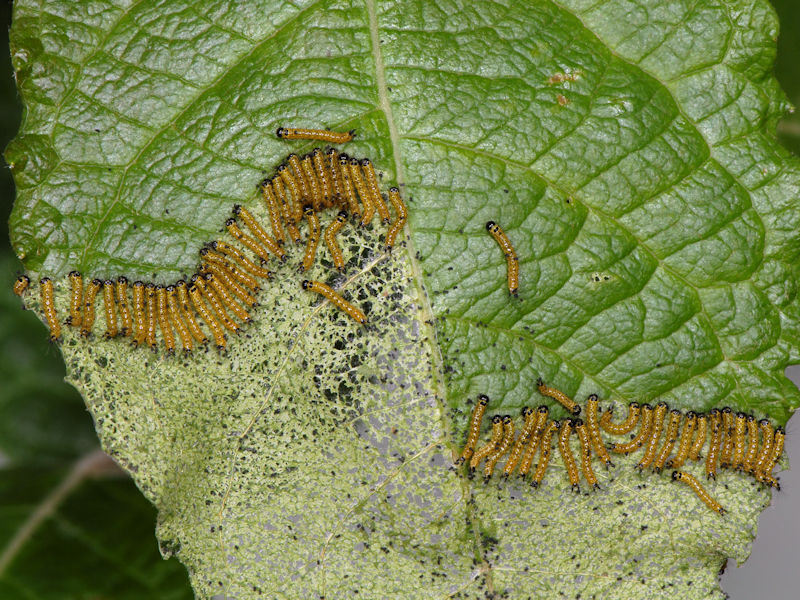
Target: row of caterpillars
(667, 438)
(231, 273)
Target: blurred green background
(91, 536)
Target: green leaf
(626, 147)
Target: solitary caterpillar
(767, 438)
(209, 319)
(512, 261)
(300, 179)
(335, 299)
(323, 135)
(700, 437)
(777, 451)
(164, 321)
(726, 452)
(186, 311)
(558, 395)
(139, 314)
(752, 444)
(740, 429)
(152, 314)
(698, 489)
(268, 193)
(361, 187)
(347, 186)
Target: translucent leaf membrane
(626, 148)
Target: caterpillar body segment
(325, 290)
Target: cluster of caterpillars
(217, 297)
(667, 439)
